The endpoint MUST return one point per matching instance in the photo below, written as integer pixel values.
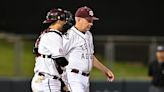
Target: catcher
(50, 60)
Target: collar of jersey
(55, 30)
(78, 32)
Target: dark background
(117, 17)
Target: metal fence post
(109, 52)
(18, 54)
(152, 49)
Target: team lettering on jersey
(84, 46)
(86, 56)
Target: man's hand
(110, 75)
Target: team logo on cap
(91, 13)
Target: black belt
(77, 71)
(54, 77)
(44, 56)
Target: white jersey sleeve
(68, 42)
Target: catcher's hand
(65, 89)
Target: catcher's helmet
(58, 14)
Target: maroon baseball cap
(85, 12)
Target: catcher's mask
(60, 14)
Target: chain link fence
(16, 51)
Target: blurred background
(125, 40)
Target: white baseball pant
(45, 84)
(77, 82)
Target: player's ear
(58, 21)
(77, 19)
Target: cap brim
(91, 18)
(95, 18)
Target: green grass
(122, 70)
(131, 71)
(28, 59)
(9, 63)
(6, 58)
